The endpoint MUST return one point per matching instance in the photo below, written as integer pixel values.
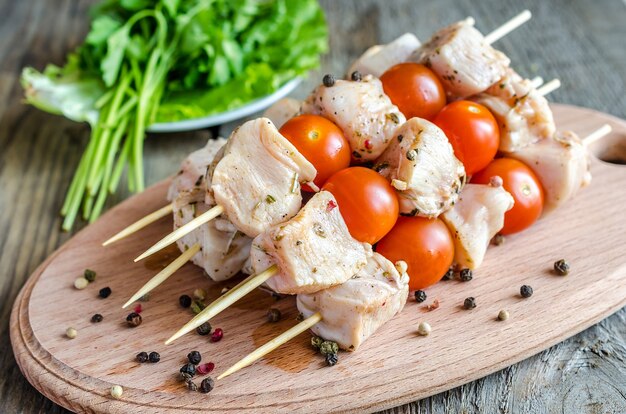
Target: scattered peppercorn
(191, 386)
(184, 376)
(424, 328)
(498, 239)
(194, 357)
(503, 315)
(331, 359)
(96, 318)
(116, 391)
(217, 335)
(466, 275)
(197, 306)
(105, 292)
(81, 283)
(526, 291)
(356, 76)
(328, 80)
(420, 296)
(189, 369)
(154, 357)
(206, 385)
(185, 301)
(142, 357)
(561, 267)
(71, 333)
(469, 303)
(204, 369)
(90, 275)
(449, 274)
(199, 294)
(138, 308)
(273, 315)
(329, 347)
(133, 319)
(204, 329)
(316, 342)
(300, 317)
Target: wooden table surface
(581, 42)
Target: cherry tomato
(321, 142)
(524, 186)
(367, 202)
(473, 132)
(424, 244)
(414, 89)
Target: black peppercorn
(328, 80)
(331, 359)
(90, 275)
(185, 301)
(105, 292)
(273, 315)
(142, 357)
(449, 274)
(154, 357)
(206, 385)
(526, 291)
(194, 357)
(356, 76)
(420, 296)
(133, 319)
(96, 318)
(204, 329)
(561, 267)
(466, 275)
(191, 386)
(469, 303)
(189, 369)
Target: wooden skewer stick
(273, 344)
(508, 27)
(536, 82)
(140, 224)
(242, 289)
(596, 135)
(182, 231)
(164, 274)
(549, 87)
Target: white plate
(224, 117)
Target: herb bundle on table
(146, 61)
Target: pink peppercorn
(217, 335)
(204, 369)
(331, 205)
(138, 308)
(368, 144)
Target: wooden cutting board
(394, 366)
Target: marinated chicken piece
(377, 59)
(421, 165)
(222, 253)
(561, 164)
(282, 111)
(257, 181)
(353, 311)
(474, 220)
(313, 251)
(193, 168)
(461, 58)
(523, 115)
(361, 110)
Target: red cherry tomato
(366, 201)
(321, 142)
(524, 186)
(424, 244)
(473, 132)
(414, 89)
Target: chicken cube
(477, 216)
(361, 110)
(257, 181)
(282, 111)
(461, 58)
(421, 165)
(313, 251)
(561, 164)
(377, 59)
(353, 311)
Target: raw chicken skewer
(349, 313)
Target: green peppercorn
(96, 318)
(142, 357)
(197, 306)
(420, 296)
(329, 347)
(273, 315)
(469, 303)
(316, 342)
(204, 329)
(154, 357)
(185, 301)
(466, 275)
(328, 80)
(331, 359)
(194, 357)
(133, 319)
(356, 76)
(90, 275)
(561, 267)
(207, 385)
(189, 369)
(105, 292)
(526, 291)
